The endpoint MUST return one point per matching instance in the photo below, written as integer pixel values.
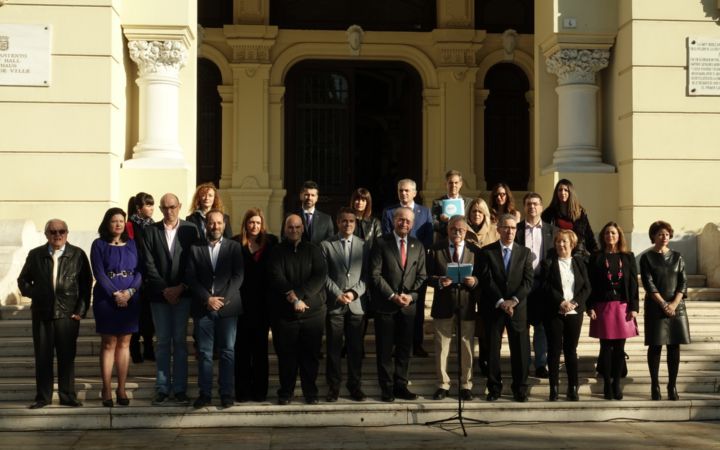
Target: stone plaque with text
(25, 55)
(703, 66)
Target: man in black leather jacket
(58, 279)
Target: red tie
(403, 253)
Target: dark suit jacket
(436, 210)
(598, 280)
(548, 233)
(162, 269)
(226, 279)
(369, 229)
(422, 226)
(497, 284)
(322, 228)
(445, 298)
(342, 278)
(552, 285)
(199, 221)
(535, 301)
(389, 278)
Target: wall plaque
(703, 66)
(25, 55)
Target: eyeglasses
(56, 232)
(505, 227)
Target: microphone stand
(458, 416)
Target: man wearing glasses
(58, 279)
(166, 250)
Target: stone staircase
(698, 385)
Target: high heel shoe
(107, 402)
(572, 393)
(617, 390)
(672, 393)
(553, 392)
(655, 392)
(122, 401)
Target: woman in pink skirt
(613, 304)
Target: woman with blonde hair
(482, 231)
(206, 197)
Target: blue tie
(506, 258)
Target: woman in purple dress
(116, 304)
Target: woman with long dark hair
(502, 202)
(566, 213)
(368, 227)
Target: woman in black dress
(566, 287)
(368, 227)
(666, 322)
(566, 213)
(613, 304)
(251, 341)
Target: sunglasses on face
(56, 232)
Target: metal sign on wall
(703, 66)
(25, 55)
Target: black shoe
(541, 372)
(122, 401)
(73, 403)
(492, 396)
(655, 392)
(440, 394)
(520, 397)
(420, 352)
(572, 393)
(553, 392)
(403, 393)
(227, 401)
(332, 395)
(161, 399)
(181, 399)
(466, 395)
(617, 390)
(284, 400)
(607, 391)
(202, 402)
(672, 393)
(312, 400)
(108, 403)
(387, 396)
(358, 395)
(259, 398)
(38, 404)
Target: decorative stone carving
(509, 41)
(573, 66)
(158, 56)
(355, 36)
(457, 57)
(256, 52)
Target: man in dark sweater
(297, 274)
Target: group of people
(491, 273)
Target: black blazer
(497, 284)
(162, 269)
(547, 232)
(439, 226)
(199, 221)
(552, 286)
(389, 278)
(255, 281)
(226, 279)
(323, 227)
(598, 280)
(444, 298)
(368, 229)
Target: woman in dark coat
(206, 197)
(613, 304)
(666, 322)
(566, 287)
(566, 213)
(251, 341)
(368, 227)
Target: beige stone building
(258, 95)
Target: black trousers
(146, 328)
(419, 331)
(348, 328)
(297, 345)
(57, 336)
(394, 334)
(563, 334)
(251, 357)
(498, 321)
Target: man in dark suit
(214, 276)
(58, 279)
(317, 226)
(454, 250)
(346, 256)
(297, 272)
(397, 266)
(166, 246)
(422, 229)
(453, 183)
(506, 279)
(536, 235)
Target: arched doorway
(352, 124)
(209, 123)
(507, 127)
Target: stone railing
(17, 238)
(708, 248)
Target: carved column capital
(577, 66)
(457, 56)
(158, 56)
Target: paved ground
(616, 435)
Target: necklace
(614, 283)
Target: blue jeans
(540, 346)
(171, 331)
(207, 329)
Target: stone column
(481, 96)
(159, 64)
(578, 149)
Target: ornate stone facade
(158, 56)
(574, 66)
